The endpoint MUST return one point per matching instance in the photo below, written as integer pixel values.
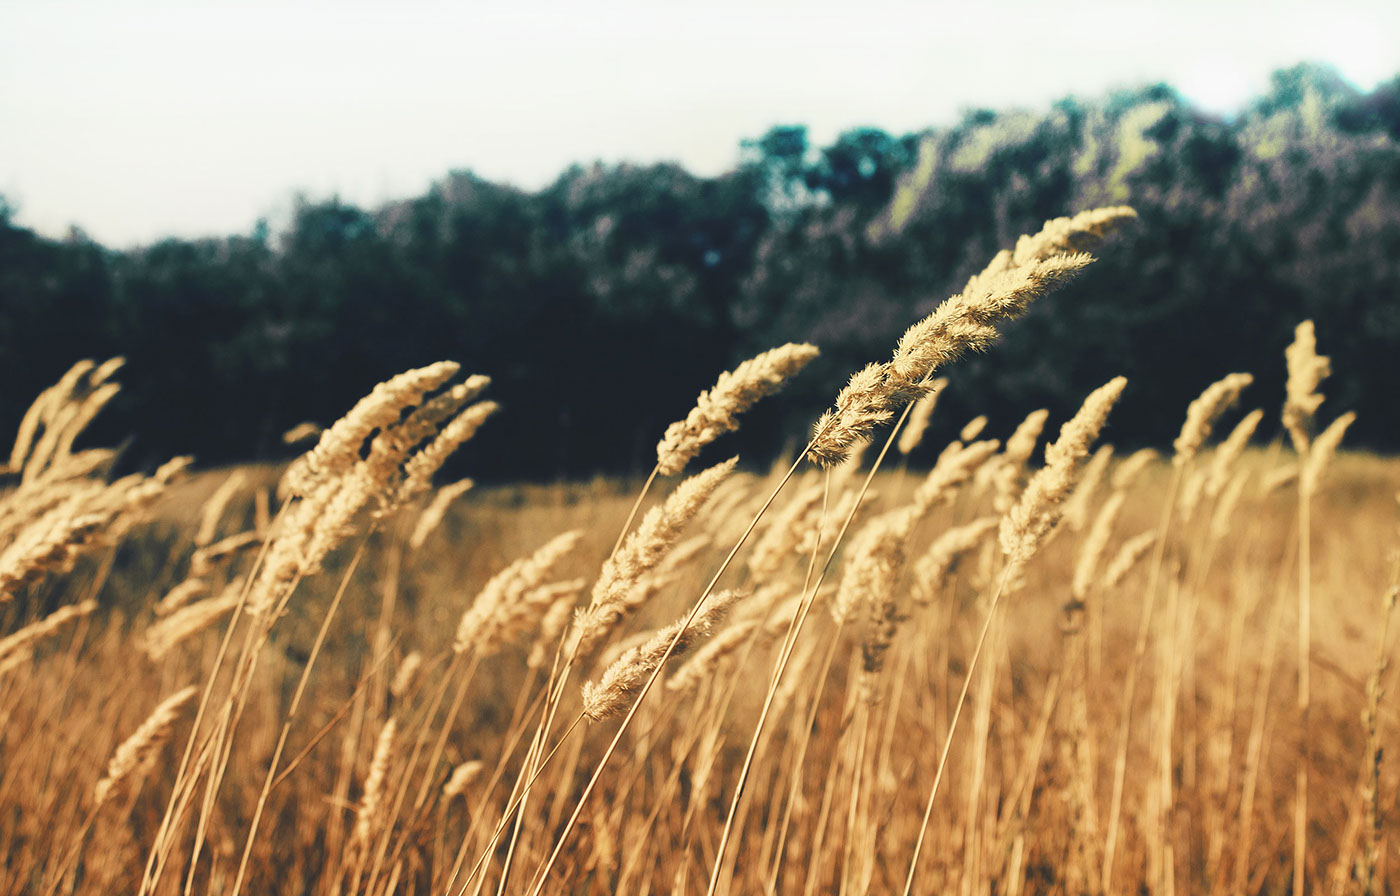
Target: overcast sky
(136, 119)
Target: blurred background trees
(603, 303)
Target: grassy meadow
(1023, 664)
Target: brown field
(348, 708)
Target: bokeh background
(268, 208)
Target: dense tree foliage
(601, 304)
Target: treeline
(603, 303)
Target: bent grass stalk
(291, 714)
(789, 642)
(543, 873)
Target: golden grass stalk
(704, 663)
(620, 682)
(339, 447)
(104, 371)
(1226, 503)
(367, 813)
(83, 414)
(432, 515)
(1025, 525)
(717, 409)
(1090, 551)
(965, 322)
(937, 563)
(462, 776)
(780, 541)
(421, 467)
(1321, 451)
(48, 532)
(1373, 837)
(553, 623)
(138, 752)
(1007, 475)
(1002, 291)
(917, 425)
(1306, 371)
(973, 428)
(875, 561)
(955, 466)
(332, 484)
(76, 466)
(22, 641)
(1128, 556)
(1202, 413)
(512, 602)
(163, 636)
(1126, 473)
(1081, 500)
(206, 558)
(640, 552)
(213, 508)
(1222, 463)
(41, 413)
(180, 595)
(1278, 478)
(302, 432)
(406, 674)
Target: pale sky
(136, 119)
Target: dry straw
(1132, 551)
(1009, 470)
(206, 558)
(717, 410)
(368, 813)
(187, 621)
(1093, 546)
(621, 681)
(18, 645)
(515, 599)
(406, 674)
(937, 563)
(180, 595)
(922, 412)
(338, 479)
(640, 553)
(1321, 451)
(461, 777)
(1306, 371)
(1078, 507)
(965, 322)
(213, 509)
(1131, 468)
(432, 516)
(339, 447)
(973, 428)
(1025, 525)
(956, 465)
(138, 752)
(1223, 462)
(1202, 413)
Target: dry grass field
(1019, 665)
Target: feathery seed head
(138, 752)
(915, 427)
(1306, 371)
(1025, 525)
(973, 428)
(622, 680)
(1321, 451)
(1204, 411)
(717, 409)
